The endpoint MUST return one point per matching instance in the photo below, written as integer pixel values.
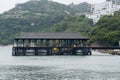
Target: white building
(106, 8)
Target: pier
(54, 44)
(50, 44)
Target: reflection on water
(96, 67)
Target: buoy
(55, 49)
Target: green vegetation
(107, 30)
(73, 24)
(82, 8)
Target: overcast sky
(5, 5)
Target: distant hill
(35, 16)
(81, 8)
(48, 7)
(39, 7)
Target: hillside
(82, 8)
(39, 7)
(107, 30)
(32, 16)
(73, 24)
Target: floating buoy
(55, 49)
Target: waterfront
(96, 67)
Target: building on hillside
(106, 8)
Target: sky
(5, 5)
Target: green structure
(50, 44)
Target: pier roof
(51, 35)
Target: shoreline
(112, 52)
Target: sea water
(98, 66)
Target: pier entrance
(50, 44)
